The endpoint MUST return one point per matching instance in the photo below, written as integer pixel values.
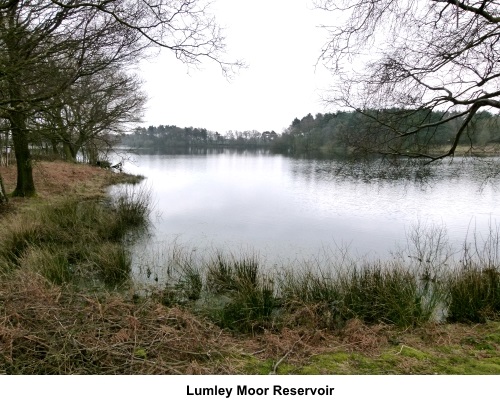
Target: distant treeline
(332, 133)
(344, 131)
(164, 137)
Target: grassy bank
(68, 304)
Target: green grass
(72, 239)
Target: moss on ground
(474, 349)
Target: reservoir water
(285, 209)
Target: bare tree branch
(420, 55)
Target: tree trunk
(3, 194)
(54, 146)
(25, 185)
(17, 115)
(69, 152)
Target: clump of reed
(384, 293)
(48, 261)
(230, 291)
(473, 287)
(474, 294)
(132, 205)
(310, 298)
(248, 309)
(71, 238)
(371, 292)
(239, 298)
(225, 274)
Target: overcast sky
(278, 39)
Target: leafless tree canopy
(50, 50)
(415, 55)
(185, 27)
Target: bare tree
(415, 65)
(92, 114)
(82, 38)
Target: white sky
(280, 42)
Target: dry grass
(53, 330)
(61, 178)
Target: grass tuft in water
(248, 309)
(382, 293)
(133, 206)
(112, 263)
(311, 299)
(191, 282)
(473, 287)
(229, 274)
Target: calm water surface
(286, 208)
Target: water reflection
(287, 208)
